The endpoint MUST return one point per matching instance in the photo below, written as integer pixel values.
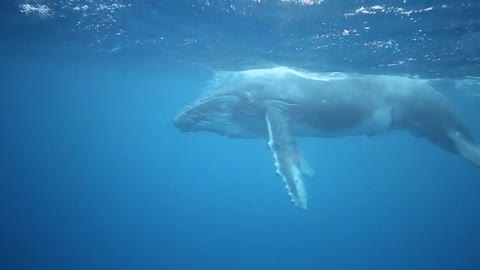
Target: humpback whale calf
(280, 104)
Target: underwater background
(93, 174)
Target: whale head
(207, 114)
(225, 114)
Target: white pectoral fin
(307, 170)
(285, 153)
(466, 149)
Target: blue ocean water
(95, 176)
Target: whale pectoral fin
(465, 148)
(287, 160)
(307, 170)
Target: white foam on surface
(42, 10)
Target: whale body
(281, 104)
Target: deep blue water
(95, 176)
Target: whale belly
(377, 122)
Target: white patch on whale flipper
(285, 153)
(465, 149)
(306, 168)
